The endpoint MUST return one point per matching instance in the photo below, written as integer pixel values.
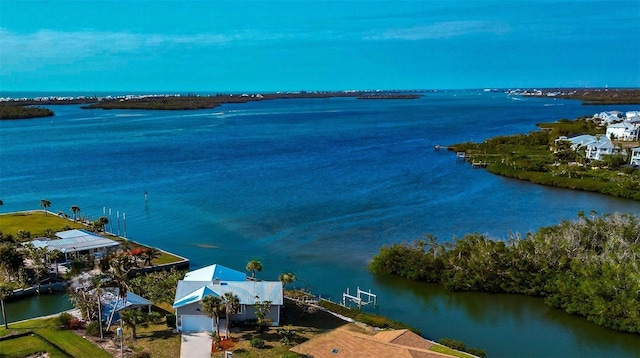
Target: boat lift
(359, 298)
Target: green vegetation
(605, 96)
(158, 287)
(538, 158)
(60, 338)
(450, 351)
(190, 102)
(35, 223)
(13, 111)
(588, 267)
(460, 346)
(29, 345)
(366, 318)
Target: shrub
(171, 320)
(93, 329)
(64, 318)
(477, 352)
(75, 324)
(452, 343)
(460, 346)
(257, 343)
(141, 354)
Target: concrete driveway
(195, 345)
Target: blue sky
(178, 46)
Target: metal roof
(110, 297)
(248, 292)
(75, 240)
(215, 272)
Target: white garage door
(196, 323)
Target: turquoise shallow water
(316, 187)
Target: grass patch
(158, 339)
(50, 330)
(35, 222)
(28, 345)
(366, 318)
(446, 350)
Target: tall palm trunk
(4, 315)
(100, 315)
(113, 311)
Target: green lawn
(35, 222)
(446, 350)
(28, 345)
(49, 329)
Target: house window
(242, 309)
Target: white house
(632, 114)
(595, 147)
(597, 150)
(635, 156)
(217, 280)
(77, 241)
(608, 117)
(623, 131)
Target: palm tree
(286, 277)
(134, 318)
(75, 209)
(150, 254)
(96, 282)
(100, 224)
(120, 267)
(49, 233)
(253, 266)
(45, 204)
(231, 304)
(5, 292)
(37, 256)
(53, 256)
(213, 307)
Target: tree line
(10, 111)
(589, 266)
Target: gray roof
(110, 297)
(75, 240)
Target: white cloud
(442, 30)
(63, 46)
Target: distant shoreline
(25, 108)
(20, 108)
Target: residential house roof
(215, 272)
(343, 342)
(248, 292)
(194, 296)
(75, 240)
(109, 299)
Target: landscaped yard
(34, 222)
(52, 336)
(28, 345)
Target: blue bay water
(316, 187)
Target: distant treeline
(11, 111)
(191, 102)
(605, 96)
(589, 267)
